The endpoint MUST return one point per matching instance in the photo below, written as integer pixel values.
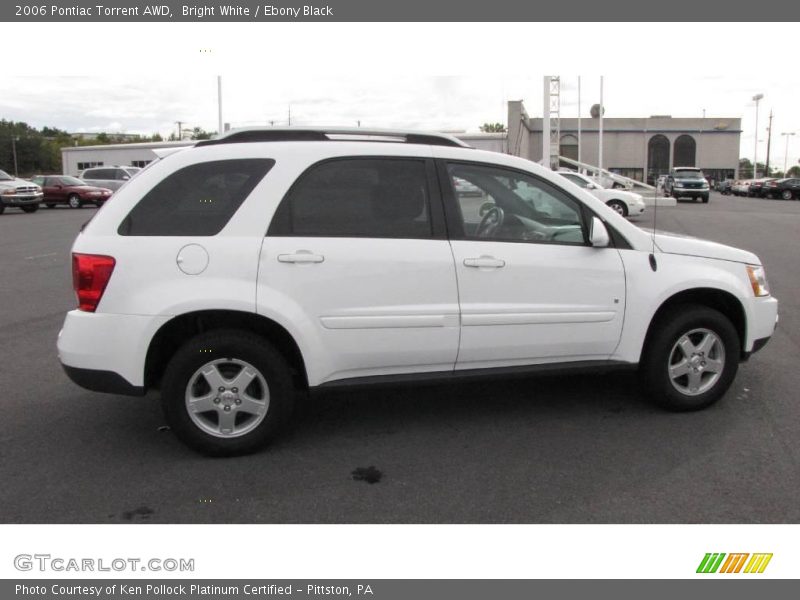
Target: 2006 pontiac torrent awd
(245, 270)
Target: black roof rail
(313, 134)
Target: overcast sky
(339, 75)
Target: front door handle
(301, 256)
(485, 262)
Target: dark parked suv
(687, 182)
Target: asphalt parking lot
(577, 450)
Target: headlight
(758, 279)
(678, 184)
(8, 192)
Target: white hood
(674, 243)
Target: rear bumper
(102, 381)
(107, 352)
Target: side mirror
(125, 177)
(598, 235)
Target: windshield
(132, 170)
(72, 181)
(689, 174)
(5, 176)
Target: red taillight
(90, 275)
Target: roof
(286, 134)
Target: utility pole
(769, 140)
(290, 115)
(600, 149)
(756, 99)
(219, 103)
(579, 120)
(180, 125)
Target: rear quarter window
(197, 200)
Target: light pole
(786, 153)
(756, 98)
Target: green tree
(493, 128)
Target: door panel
(352, 258)
(372, 306)
(531, 288)
(547, 303)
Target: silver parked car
(111, 178)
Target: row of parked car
(787, 188)
(93, 186)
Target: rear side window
(197, 200)
(358, 197)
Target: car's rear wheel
(786, 194)
(619, 207)
(74, 201)
(227, 392)
(30, 208)
(690, 359)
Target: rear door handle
(485, 262)
(301, 256)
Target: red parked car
(63, 189)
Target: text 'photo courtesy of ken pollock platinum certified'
(197, 11)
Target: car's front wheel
(690, 359)
(227, 392)
(619, 207)
(30, 208)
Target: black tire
(704, 199)
(30, 208)
(2, 209)
(787, 194)
(227, 344)
(658, 355)
(618, 206)
(50, 205)
(74, 201)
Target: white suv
(235, 274)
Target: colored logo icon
(719, 562)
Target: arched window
(569, 146)
(685, 151)
(657, 157)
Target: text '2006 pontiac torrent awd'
(245, 270)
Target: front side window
(516, 207)
(197, 200)
(357, 197)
